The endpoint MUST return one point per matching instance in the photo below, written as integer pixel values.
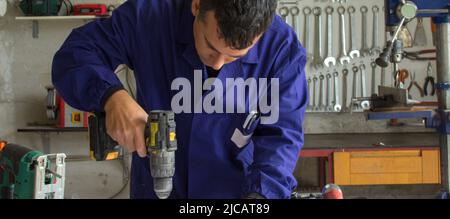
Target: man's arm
(277, 146)
(83, 73)
(83, 69)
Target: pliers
(414, 83)
(400, 78)
(429, 80)
(416, 55)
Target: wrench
(315, 107)
(354, 105)
(383, 73)
(321, 92)
(329, 59)
(318, 58)
(364, 104)
(354, 52)
(376, 49)
(344, 58)
(284, 12)
(329, 106)
(337, 107)
(344, 90)
(307, 41)
(310, 106)
(365, 50)
(295, 11)
(374, 83)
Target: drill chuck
(162, 167)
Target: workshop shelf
(36, 19)
(80, 17)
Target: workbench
(325, 146)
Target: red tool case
(90, 9)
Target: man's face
(212, 50)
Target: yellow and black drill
(160, 140)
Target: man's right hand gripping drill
(125, 120)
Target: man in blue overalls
(162, 41)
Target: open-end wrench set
(341, 63)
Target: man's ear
(195, 7)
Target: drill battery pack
(102, 146)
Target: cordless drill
(160, 141)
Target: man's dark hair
(240, 21)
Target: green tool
(40, 7)
(28, 174)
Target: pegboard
(298, 23)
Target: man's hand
(125, 122)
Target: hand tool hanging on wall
(400, 78)
(354, 51)
(322, 56)
(307, 39)
(417, 55)
(414, 83)
(322, 92)
(429, 81)
(353, 105)
(373, 88)
(383, 77)
(376, 49)
(406, 36)
(330, 60)
(344, 59)
(420, 37)
(344, 90)
(337, 106)
(310, 106)
(315, 105)
(329, 103)
(364, 104)
(318, 57)
(295, 11)
(365, 50)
